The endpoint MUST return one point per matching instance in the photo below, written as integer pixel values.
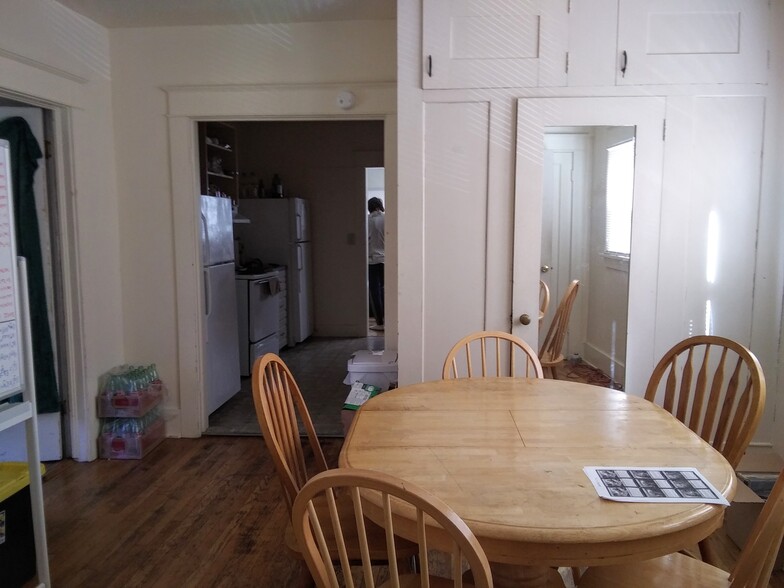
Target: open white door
(535, 116)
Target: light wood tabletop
(507, 454)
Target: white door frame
(79, 438)
(190, 104)
(647, 115)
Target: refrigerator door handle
(207, 298)
(205, 239)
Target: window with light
(620, 188)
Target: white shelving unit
(16, 360)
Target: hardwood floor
(194, 512)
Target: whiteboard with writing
(11, 381)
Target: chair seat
(673, 571)
(376, 536)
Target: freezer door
(300, 294)
(301, 219)
(222, 353)
(217, 234)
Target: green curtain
(25, 153)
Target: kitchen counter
(255, 273)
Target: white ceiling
(162, 13)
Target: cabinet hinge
(567, 62)
(569, 6)
(664, 129)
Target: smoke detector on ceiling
(346, 100)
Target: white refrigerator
(279, 233)
(222, 369)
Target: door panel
(455, 251)
(534, 116)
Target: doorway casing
(78, 439)
(647, 114)
(189, 104)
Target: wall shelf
(218, 150)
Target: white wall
(755, 320)
(238, 72)
(772, 207)
(52, 57)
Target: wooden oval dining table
(507, 454)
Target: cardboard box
(761, 471)
(378, 368)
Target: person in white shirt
(376, 260)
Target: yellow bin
(17, 539)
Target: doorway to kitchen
(334, 166)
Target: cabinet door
(692, 41)
(494, 43)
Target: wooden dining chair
(315, 527)
(550, 352)
(281, 411)
(491, 353)
(544, 300)
(715, 386)
(752, 569)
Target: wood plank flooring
(193, 513)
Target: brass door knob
(525, 319)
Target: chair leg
(576, 573)
(708, 552)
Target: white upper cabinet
(494, 43)
(692, 41)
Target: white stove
(258, 312)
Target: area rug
(583, 372)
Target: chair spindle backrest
(550, 352)
(715, 386)
(491, 353)
(397, 505)
(281, 410)
(544, 300)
